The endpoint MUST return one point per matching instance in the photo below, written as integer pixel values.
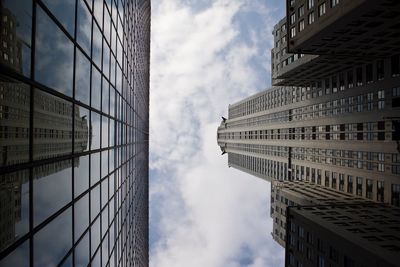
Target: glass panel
(94, 168)
(95, 236)
(104, 221)
(50, 243)
(84, 24)
(96, 45)
(81, 129)
(96, 88)
(98, 11)
(82, 81)
(104, 248)
(112, 134)
(106, 58)
(53, 55)
(112, 102)
(104, 164)
(112, 185)
(104, 192)
(52, 189)
(52, 126)
(14, 199)
(14, 122)
(105, 96)
(19, 257)
(64, 11)
(81, 220)
(18, 16)
(104, 132)
(81, 175)
(95, 202)
(95, 142)
(82, 251)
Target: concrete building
(343, 235)
(286, 194)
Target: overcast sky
(205, 55)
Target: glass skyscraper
(74, 94)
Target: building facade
(74, 96)
(343, 235)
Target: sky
(205, 55)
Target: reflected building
(74, 133)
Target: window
(350, 79)
(310, 4)
(395, 195)
(395, 64)
(369, 188)
(293, 32)
(380, 194)
(301, 25)
(322, 9)
(334, 3)
(292, 18)
(369, 73)
(359, 186)
(359, 78)
(349, 184)
(301, 11)
(311, 17)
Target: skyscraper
(327, 133)
(74, 92)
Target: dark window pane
(81, 129)
(52, 189)
(82, 251)
(53, 55)
(81, 220)
(96, 88)
(19, 257)
(95, 142)
(18, 16)
(64, 11)
(84, 27)
(81, 175)
(82, 81)
(14, 199)
(14, 123)
(67, 262)
(52, 126)
(94, 168)
(53, 241)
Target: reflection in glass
(53, 241)
(104, 192)
(14, 208)
(81, 175)
(82, 251)
(14, 122)
(81, 220)
(84, 26)
(15, 36)
(82, 129)
(19, 257)
(95, 236)
(52, 126)
(53, 55)
(104, 221)
(64, 11)
(104, 248)
(105, 97)
(104, 132)
(94, 202)
(112, 102)
(96, 88)
(96, 45)
(52, 189)
(94, 168)
(106, 58)
(82, 81)
(104, 163)
(95, 137)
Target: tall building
(74, 95)
(343, 235)
(328, 131)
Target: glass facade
(74, 92)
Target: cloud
(205, 55)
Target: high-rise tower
(74, 95)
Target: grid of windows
(74, 133)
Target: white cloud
(202, 212)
